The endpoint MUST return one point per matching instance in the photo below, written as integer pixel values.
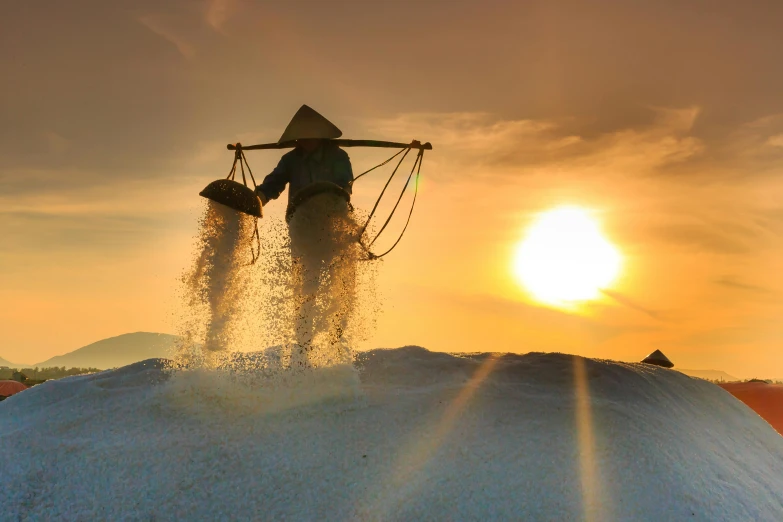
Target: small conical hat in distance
(308, 124)
(659, 359)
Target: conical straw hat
(659, 359)
(307, 123)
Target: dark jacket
(326, 163)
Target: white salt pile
(423, 436)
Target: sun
(564, 259)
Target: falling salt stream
(215, 284)
(243, 324)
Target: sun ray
(416, 455)
(591, 498)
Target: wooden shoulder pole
(340, 143)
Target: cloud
(218, 12)
(77, 233)
(734, 284)
(770, 220)
(159, 26)
(72, 193)
(660, 182)
(476, 139)
(677, 120)
(706, 236)
(754, 149)
(775, 141)
(626, 301)
(56, 143)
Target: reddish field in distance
(8, 388)
(764, 399)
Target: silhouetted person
(319, 233)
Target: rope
(250, 171)
(257, 253)
(239, 155)
(375, 207)
(233, 170)
(415, 168)
(404, 188)
(242, 166)
(420, 159)
(378, 165)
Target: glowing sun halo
(564, 258)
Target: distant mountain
(116, 351)
(4, 362)
(712, 375)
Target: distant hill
(116, 351)
(712, 375)
(4, 362)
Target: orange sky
(665, 119)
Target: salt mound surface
(415, 435)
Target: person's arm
(274, 184)
(342, 170)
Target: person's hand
(261, 196)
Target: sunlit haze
(661, 121)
